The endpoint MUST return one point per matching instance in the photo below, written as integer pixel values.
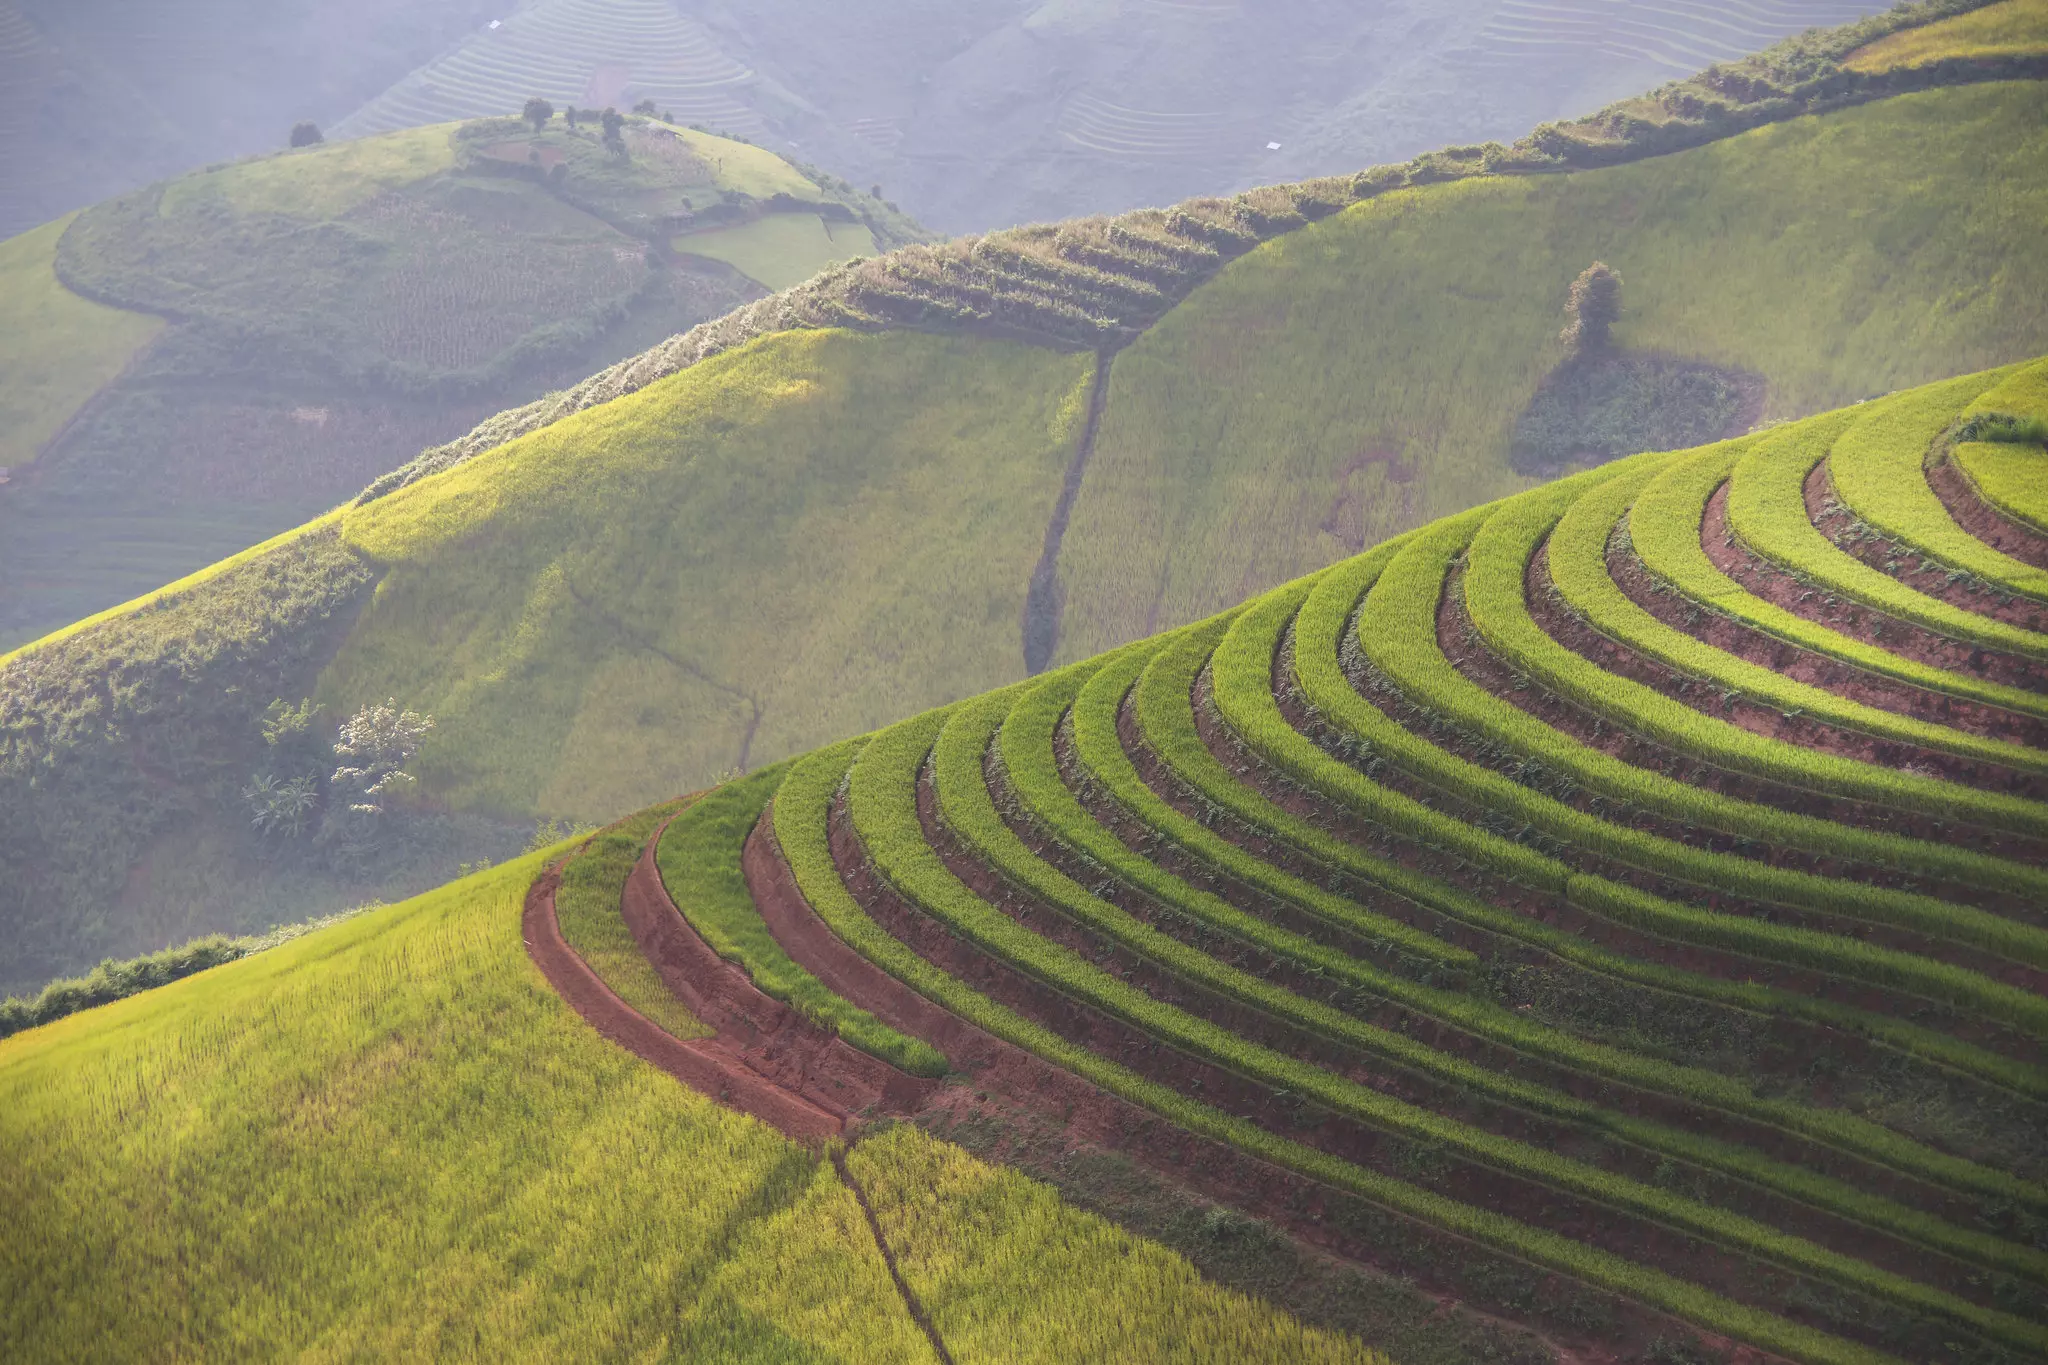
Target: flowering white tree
(374, 746)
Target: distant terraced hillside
(983, 114)
(1682, 36)
(591, 53)
(1037, 445)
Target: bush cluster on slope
(88, 777)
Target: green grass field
(57, 349)
(782, 250)
(320, 182)
(1362, 375)
(729, 566)
(390, 1139)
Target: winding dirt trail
(764, 1059)
(711, 1066)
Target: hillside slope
(1366, 373)
(972, 498)
(1556, 903)
(315, 318)
(1560, 917)
(452, 1164)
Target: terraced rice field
(1622, 907)
(1096, 125)
(1681, 36)
(586, 53)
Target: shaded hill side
(496, 595)
(1542, 904)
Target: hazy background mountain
(971, 114)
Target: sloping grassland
(742, 560)
(59, 349)
(393, 1140)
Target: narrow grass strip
(883, 801)
(1243, 663)
(1025, 740)
(587, 912)
(1494, 596)
(1879, 473)
(1030, 761)
(801, 808)
(1664, 525)
(699, 859)
(1398, 630)
(1767, 508)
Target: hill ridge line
(1035, 283)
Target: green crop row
(1767, 508)
(1243, 663)
(1879, 473)
(1027, 752)
(1665, 526)
(1397, 627)
(883, 803)
(1578, 566)
(1026, 746)
(1494, 596)
(804, 801)
(699, 858)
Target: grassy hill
(909, 479)
(450, 1163)
(1606, 923)
(209, 361)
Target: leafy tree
(537, 112)
(614, 134)
(645, 107)
(288, 734)
(306, 135)
(374, 746)
(281, 807)
(284, 795)
(571, 115)
(1594, 304)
